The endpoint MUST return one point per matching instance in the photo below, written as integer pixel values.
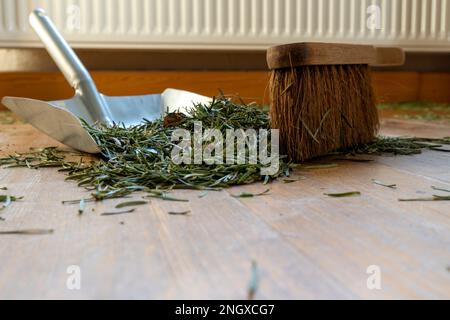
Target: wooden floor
(306, 245)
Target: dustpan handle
(70, 65)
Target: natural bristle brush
(322, 98)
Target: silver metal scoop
(61, 119)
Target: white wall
(419, 25)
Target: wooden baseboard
(396, 86)
(250, 85)
(434, 87)
(52, 86)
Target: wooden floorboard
(344, 236)
(306, 244)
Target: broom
(321, 95)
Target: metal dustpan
(61, 119)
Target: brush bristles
(320, 109)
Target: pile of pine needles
(400, 146)
(139, 158)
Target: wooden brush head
(316, 53)
(322, 98)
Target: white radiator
(420, 25)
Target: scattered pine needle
(253, 284)
(434, 198)
(131, 204)
(118, 212)
(177, 213)
(381, 183)
(72, 202)
(287, 181)
(344, 194)
(439, 149)
(320, 166)
(4, 198)
(166, 197)
(30, 232)
(440, 189)
(251, 195)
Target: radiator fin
(233, 24)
